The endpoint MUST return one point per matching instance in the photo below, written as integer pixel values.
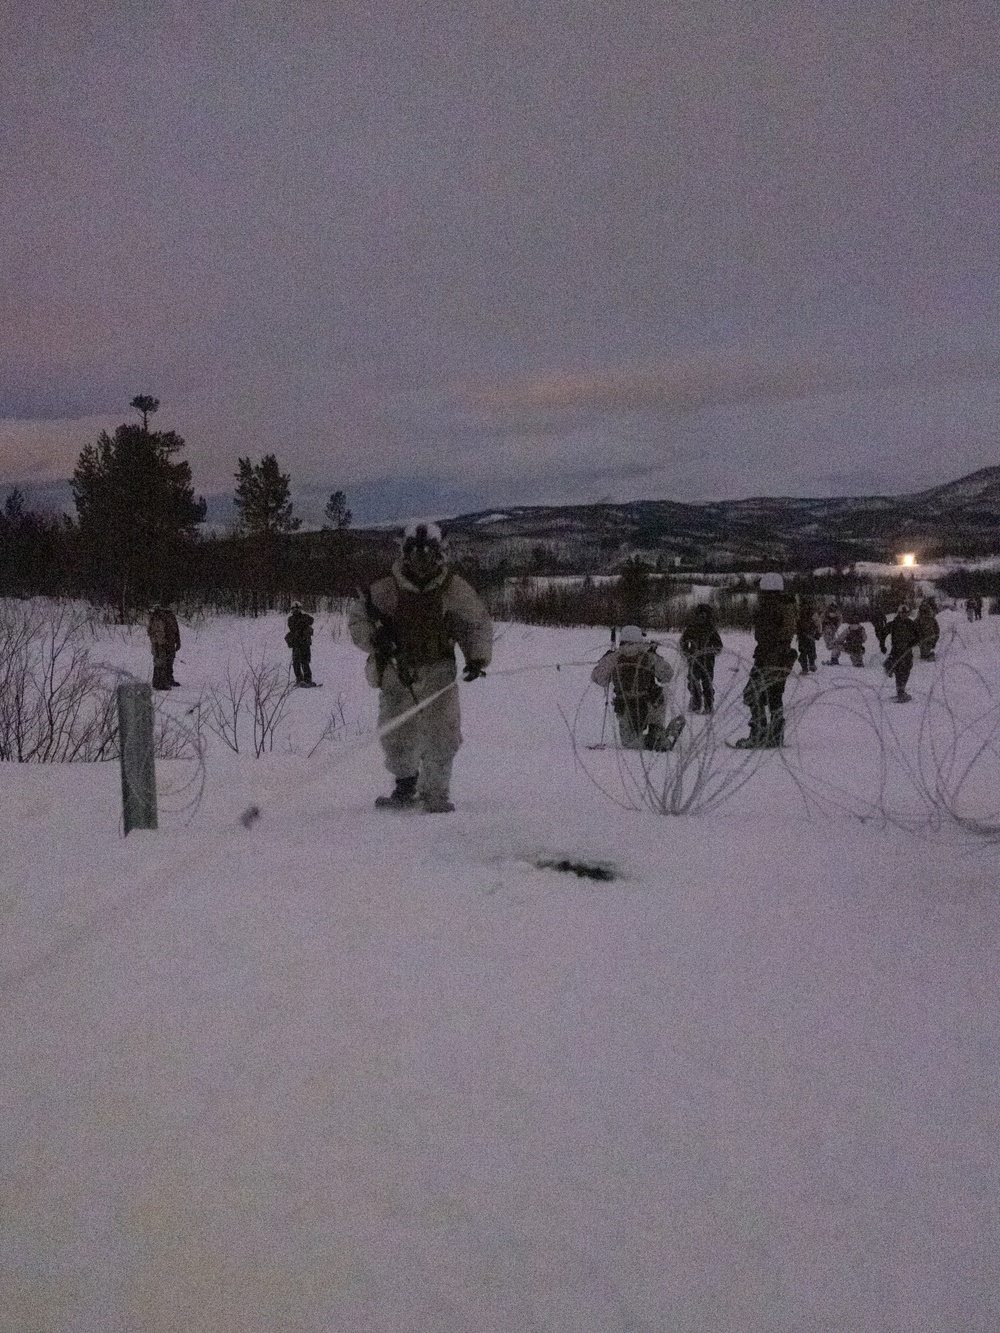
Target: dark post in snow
(135, 736)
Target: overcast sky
(535, 250)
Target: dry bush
(254, 697)
(55, 704)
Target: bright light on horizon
(908, 560)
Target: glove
(474, 669)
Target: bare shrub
(220, 707)
(55, 705)
(269, 685)
(175, 739)
(256, 696)
(335, 729)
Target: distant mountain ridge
(959, 517)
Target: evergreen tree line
(136, 539)
(642, 596)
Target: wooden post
(135, 738)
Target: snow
(927, 569)
(348, 1071)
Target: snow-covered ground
(378, 1073)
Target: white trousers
(427, 744)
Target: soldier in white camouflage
(636, 675)
(409, 623)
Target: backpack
(637, 691)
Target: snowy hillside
(375, 1073)
(960, 516)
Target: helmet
(424, 537)
(771, 583)
(423, 552)
(631, 634)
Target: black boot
(401, 797)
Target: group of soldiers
(410, 622)
(637, 674)
(778, 620)
(785, 632)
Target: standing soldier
(880, 624)
(831, 627)
(903, 637)
(773, 659)
(299, 639)
(637, 673)
(807, 631)
(409, 624)
(700, 646)
(928, 629)
(854, 641)
(165, 641)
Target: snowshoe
(663, 738)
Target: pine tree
(136, 510)
(336, 515)
(262, 500)
(634, 590)
(145, 404)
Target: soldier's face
(423, 562)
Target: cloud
(45, 450)
(728, 377)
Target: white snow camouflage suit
(634, 715)
(427, 623)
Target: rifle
(385, 645)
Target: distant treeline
(47, 555)
(642, 597)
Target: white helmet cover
(631, 634)
(771, 583)
(418, 535)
